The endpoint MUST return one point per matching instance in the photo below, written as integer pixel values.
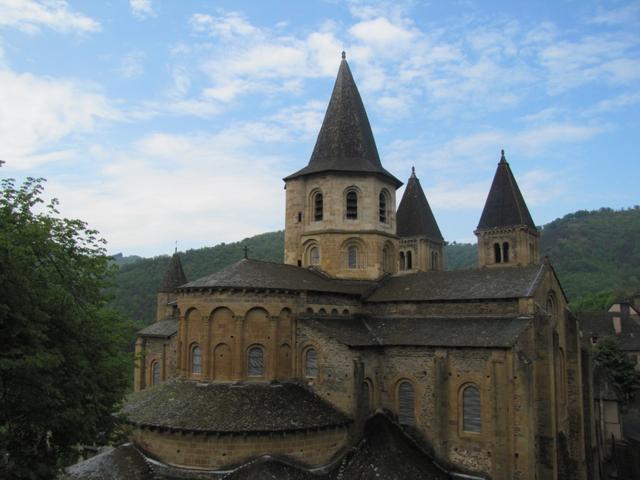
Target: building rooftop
(505, 206)
(474, 284)
(230, 408)
(600, 325)
(414, 215)
(162, 329)
(345, 142)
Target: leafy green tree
(619, 366)
(63, 357)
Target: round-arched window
(255, 361)
(317, 207)
(196, 360)
(314, 255)
(351, 211)
(352, 256)
(471, 421)
(406, 403)
(155, 373)
(311, 363)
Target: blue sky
(161, 121)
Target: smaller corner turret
(421, 243)
(506, 233)
(173, 278)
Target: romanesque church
(305, 369)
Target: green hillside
(596, 255)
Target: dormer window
(352, 205)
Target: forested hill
(596, 255)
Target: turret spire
(174, 277)
(414, 215)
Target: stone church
(480, 370)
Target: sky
(163, 121)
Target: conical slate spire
(505, 206)
(174, 277)
(414, 215)
(345, 142)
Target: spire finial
(502, 157)
(344, 55)
(246, 252)
(176, 249)
(413, 171)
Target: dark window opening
(406, 404)
(505, 252)
(497, 255)
(317, 207)
(299, 217)
(255, 366)
(471, 410)
(155, 373)
(409, 266)
(383, 207)
(403, 265)
(352, 205)
(311, 363)
(352, 254)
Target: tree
(619, 366)
(63, 355)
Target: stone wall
(214, 452)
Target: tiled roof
(505, 206)
(450, 331)
(164, 329)
(414, 215)
(256, 274)
(600, 324)
(227, 408)
(120, 463)
(475, 284)
(345, 142)
(174, 277)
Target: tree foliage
(618, 365)
(63, 360)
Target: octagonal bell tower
(340, 208)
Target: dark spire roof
(345, 142)
(505, 206)
(414, 215)
(174, 277)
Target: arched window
(352, 205)
(311, 363)
(334, 311)
(382, 207)
(505, 252)
(497, 256)
(562, 376)
(255, 361)
(352, 256)
(406, 403)
(434, 260)
(317, 207)
(403, 264)
(387, 259)
(345, 311)
(155, 373)
(314, 255)
(471, 409)
(366, 394)
(409, 266)
(196, 359)
(322, 311)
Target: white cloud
(131, 64)
(227, 26)
(615, 103)
(141, 9)
(36, 113)
(31, 15)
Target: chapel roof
(414, 215)
(451, 285)
(120, 463)
(161, 329)
(505, 206)
(227, 408)
(345, 142)
(488, 331)
(174, 277)
(258, 274)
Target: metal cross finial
(176, 250)
(344, 55)
(413, 171)
(246, 251)
(502, 157)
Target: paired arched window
(255, 361)
(317, 206)
(352, 256)
(471, 421)
(383, 206)
(351, 211)
(406, 403)
(314, 255)
(497, 254)
(311, 363)
(408, 257)
(403, 261)
(155, 373)
(505, 252)
(196, 359)
(501, 252)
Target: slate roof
(256, 274)
(600, 324)
(123, 462)
(430, 331)
(162, 329)
(414, 215)
(229, 408)
(505, 206)
(345, 142)
(475, 284)
(174, 277)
